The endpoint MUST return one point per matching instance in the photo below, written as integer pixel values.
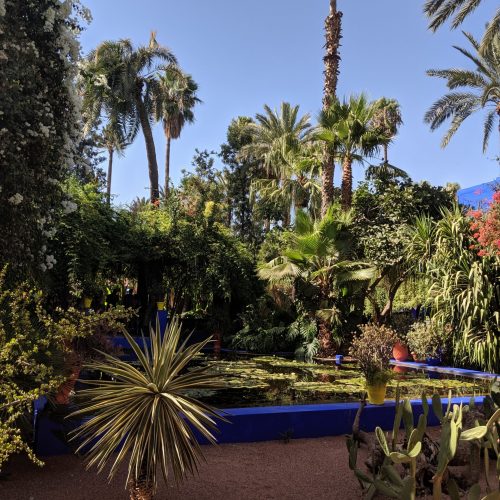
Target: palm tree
(175, 107)
(440, 11)
(347, 130)
(318, 257)
(333, 34)
(480, 90)
(274, 136)
(127, 80)
(113, 139)
(387, 119)
(299, 186)
(144, 414)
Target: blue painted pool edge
(448, 370)
(263, 423)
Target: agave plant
(144, 415)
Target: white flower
(69, 206)
(2, 7)
(43, 267)
(16, 199)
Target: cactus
(386, 480)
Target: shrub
(426, 340)
(373, 350)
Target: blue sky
(247, 54)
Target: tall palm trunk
(110, 173)
(150, 147)
(386, 156)
(333, 28)
(167, 163)
(347, 183)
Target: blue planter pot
(433, 361)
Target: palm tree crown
(347, 129)
(480, 91)
(440, 11)
(122, 80)
(174, 107)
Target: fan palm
(347, 130)
(175, 107)
(480, 91)
(274, 136)
(387, 119)
(333, 34)
(440, 11)
(145, 415)
(127, 81)
(318, 256)
(299, 186)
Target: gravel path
(300, 469)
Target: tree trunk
(141, 488)
(386, 147)
(110, 173)
(150, 148)
(327, 175)
(333, 34)
(326, 347)
(347, 183)
(167, 165)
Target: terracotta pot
(400, 352)
(376, 393)
(64, 392)
(400, 369)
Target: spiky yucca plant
(144, 415)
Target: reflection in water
(264, 381)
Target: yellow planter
(160, 306)
(376, 393)
(87, 302)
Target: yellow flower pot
(160, 306)
(87, 302)
(376, 393)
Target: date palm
(145, 414)
(440, 11)
(346, 128)
(333, 34)
(471, 91)
(128, 85)
(174, 107)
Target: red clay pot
(400, 352)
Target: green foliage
(373, 351)
(316, 264)
(464, 287)
(39, 126)
(427, 340)
(145, 415)
(471, 90)
(31, 358)
(91, 244)
(415, 452)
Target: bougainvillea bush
(38, 126)
(486, 227)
